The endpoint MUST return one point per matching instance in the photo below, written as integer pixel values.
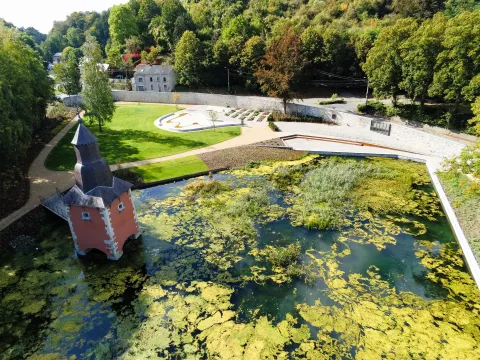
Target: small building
(101, 213)
(56, 58)
(159, 78)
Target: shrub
(272, 126)
(279, 116)
(468, 162)
(334, 99)
(206, 187)
(59, 110)
(374, 107)
(283, 256)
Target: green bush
(59, 110)
(374, 107)
(333, 100)
(272, 126)
(279, 116)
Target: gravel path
(43, 181)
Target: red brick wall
(123, 222)
(91, 234)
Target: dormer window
(121, 207)
(164, 79)
(85, 215)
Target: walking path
(43, 181)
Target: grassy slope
(464, 196)
(132, 136)
(171, 168)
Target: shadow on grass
(121, 145)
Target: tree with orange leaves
(279, 71)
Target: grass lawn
(171, 168)
(132, 136)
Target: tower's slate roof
(145, 69)
(95, 187)
(99, 197)
(83, 136)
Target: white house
(160, 78)
(57, 58)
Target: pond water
(318, 258)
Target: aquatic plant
(228, 269)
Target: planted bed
(317, 258)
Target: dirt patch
(242, 155)
(271, 142)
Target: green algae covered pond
(319, 258)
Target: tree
(150, 57)
(252, 53)
(475, 121)
(384, 60)
(175, 98)
(167, 27)
(72, 53)
(133, 45)
(281, 68)
(75, 37)
(419, 56)
(25, 90)
(55, 42)
(212, 114)
(67, 76)
(457, 63)
(96, 95)
(187, 59)
(122, 24)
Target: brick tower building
(100, 208)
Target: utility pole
(228, 72)
(366, 95)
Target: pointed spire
(83, 136)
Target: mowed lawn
(170, 168)
(131, 136)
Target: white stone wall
(410, 138)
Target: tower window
(121, 207)
(85, 215)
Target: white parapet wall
(413, 139)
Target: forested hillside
(419, 48)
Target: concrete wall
(422, 141)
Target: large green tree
(168, 28)
(96, 95)
(188, 59)
(122, 24)
(25, 90)
(459, 61)
(419, 56)
(67, 76)
(279, 72)
(384, 61)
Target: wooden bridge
(55, 204)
